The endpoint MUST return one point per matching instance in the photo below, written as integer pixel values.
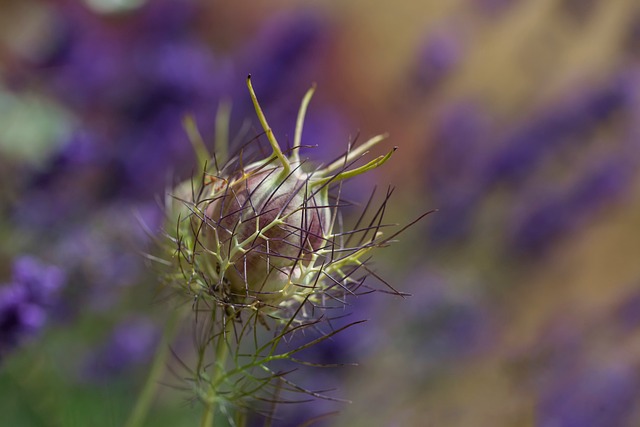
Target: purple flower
(567, 123)
(130, 85)
(469, 161)
(168, 19)
(452, 329)
(456, 162)
(459, 137)
(42, 282)
(573, 388)
(543, 219)
(106, 252)
(541, 223)
(438, 56)
(26, 302)
(285, 58)
(287, 47)
(14, 319)
(454, 219)
(439, 325)
(600, 396)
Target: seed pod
(281, 222)
(262, 235)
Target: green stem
(241, 419)
(145, 398)
(222, 352)
(223, 117)
(351, 155)
(277, 152)
(297, 139)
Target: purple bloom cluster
(543, 219)
(452, 325)
(454, 176)
(598, 397)
(26, 302)
(130, 85)
(569, 123)
(581, 371)
(470, 161)
(446, 326)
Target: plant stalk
(222, 352)
(145, 398)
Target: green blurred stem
(241, 418)
(222, 352)
(145, 398)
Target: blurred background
(519, 120)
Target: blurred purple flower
(571, 122)
(456, 160)
(468, 161)
(325, 135)
(541, 220)
(459, 137)
(285, 59)
(454, 219)
(81, 176)
(42, 282)
(450, 330)
(106, 251)
(438, 56)
(600, 396)
(441, 325)
(131, 343)
(288, 47)
(131, 86)
(26, 302)
(541, 223)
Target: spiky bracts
(261, 246)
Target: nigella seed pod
(284, 220)
(261, 243)
(262, 234)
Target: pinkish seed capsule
(281, 219)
